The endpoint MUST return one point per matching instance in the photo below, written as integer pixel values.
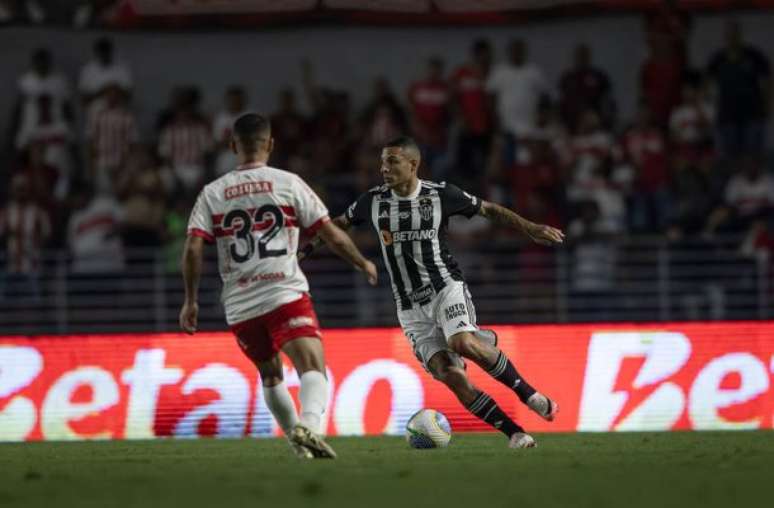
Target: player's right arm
(200, 230)
(193, 253)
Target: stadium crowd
(690, 163)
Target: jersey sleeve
(455, 201)
(310, 210)
(200, 222)
(358, 212)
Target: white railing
(623, 280)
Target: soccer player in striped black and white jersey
(435, 310)
(253, 214)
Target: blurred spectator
(100, 73)
(585, 87)
(186, 142)
(46, 187)
(93, 233)
(24, 228)
(536, 183)
(517, 86)
(41, 79)
(383, 118)
(110, 132)
(692, 203)
(645, 147)
(471, 104)
(668, 25)
(288, 127)
(587, 153)
(742, 77)
(141, 191)
(593, 265)
(56, 138)
(749, 196)
(429, 103)
(691, 127)
(234, 105)
(661, 78)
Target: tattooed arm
(539, 233)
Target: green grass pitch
(478, 471)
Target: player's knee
(465, 344)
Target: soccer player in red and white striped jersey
(254, 215)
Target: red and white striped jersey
(185, 143)
(111, 132)
(254, 215)
(26, 227)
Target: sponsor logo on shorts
(299, 321)
(422, 294)
(462, 324)
(455, 311)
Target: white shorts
(428, 327)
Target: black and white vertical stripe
(414, 265)
(382, 218)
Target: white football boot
(522, 440)
(299, 451)
(314, 443)
(543, 406)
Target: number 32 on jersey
(268, 218)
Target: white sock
(280, 403)
(314, 397)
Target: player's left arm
(538, 233)
(193, 252)
(341, 221)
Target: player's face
(397, 167)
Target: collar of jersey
(413, 195)
(251, 165)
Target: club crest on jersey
(426, 208)
(386, 237)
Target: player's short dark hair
(406, 143)
(251, 129)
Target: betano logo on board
(606, 378)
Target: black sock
(487, 409)
(504, 371)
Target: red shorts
(262, 337)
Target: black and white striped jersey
(412, 234)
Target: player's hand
(189, 317)
(370, 271)
(545, 235)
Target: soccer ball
(428, 428)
